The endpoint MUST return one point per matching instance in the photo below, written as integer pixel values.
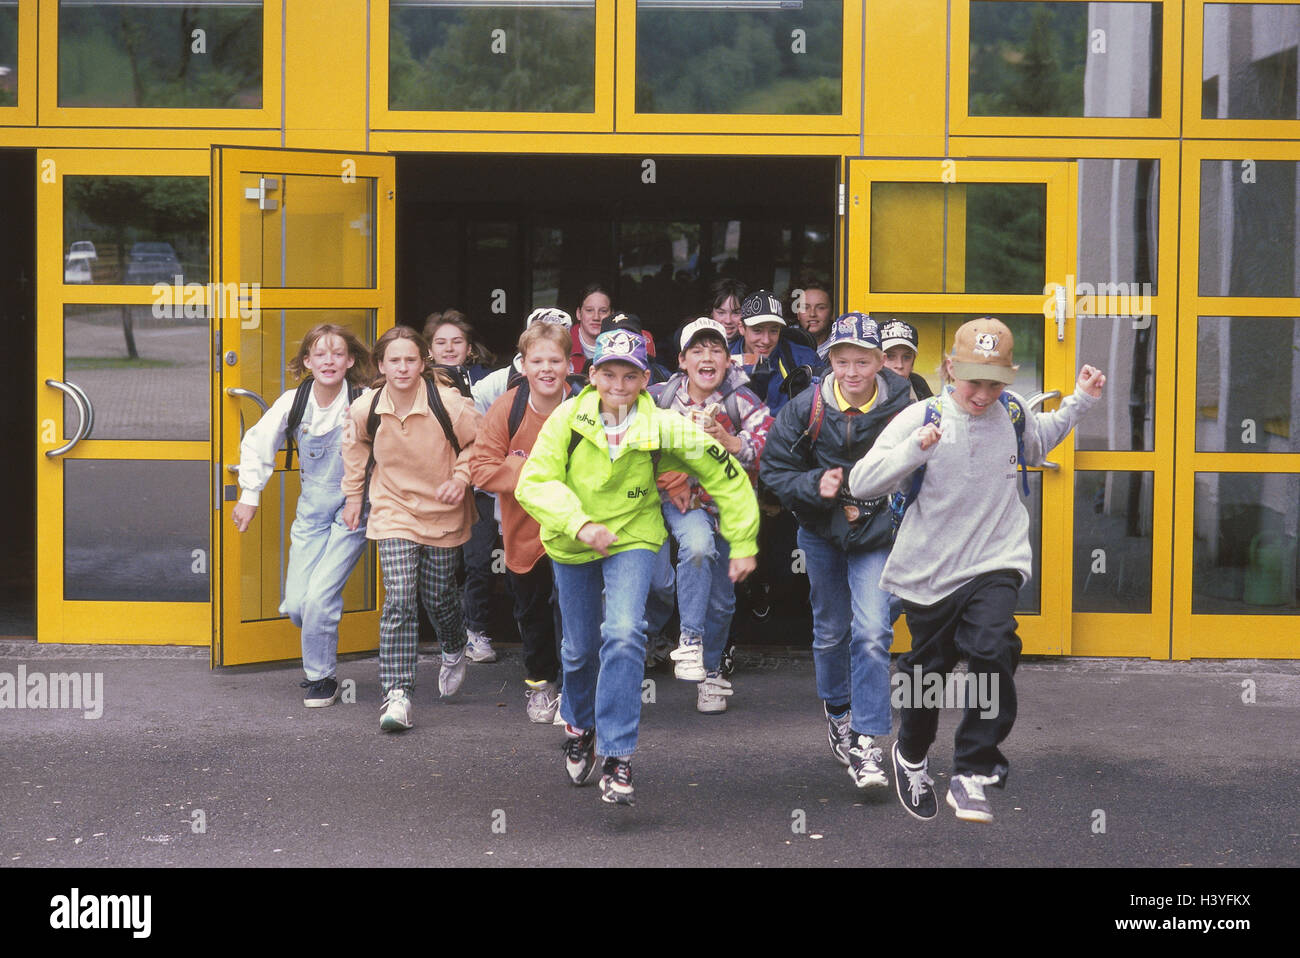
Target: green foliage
(1006, 243)
(122, 210)
(9, 55)
(1028, 59)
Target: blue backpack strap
(1017, 415)
(899, 501)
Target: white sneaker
(559, 719)
(396, 714)
(543, 702)
(689, 656)
(452, 673)
(479, 647)
(711, 694)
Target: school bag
(520, 404)
(730, 403)
(297, 410)
(899, 501)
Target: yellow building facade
(1120, 181)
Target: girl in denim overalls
(322, 550)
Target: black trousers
(538, 616)
(476, 601)
(977, 621)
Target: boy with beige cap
(962, 553)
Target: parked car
(150, 263)
(76, 270)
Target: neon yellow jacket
(564, 492)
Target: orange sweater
(412, 459)
(495, 467)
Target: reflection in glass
(1248, 67)
(1119, 223)
(1065, 59)
(935, 332)
(320, 233)
(1250, 216)
(1246, 528)
(8, 52)
(135, 230)
(1247, 384)
(740, 61)
(145, 370)
(1125, 349)
(148, 54)
(136, 530)
(1112, 541)
(658, 265)
(499, 57)
(958, 238)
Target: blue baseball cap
(853, 329)
(623, 345)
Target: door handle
(1039, 398)
(84, 420)
(239, 392)
(90, 409)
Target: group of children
(899, 503)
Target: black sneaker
(839, 734)
(616, 782)
(864, 763)
(966, 797)
(320, 693)
(579, 754)
(915, 788)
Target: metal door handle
(84, 420)
(90, 409)
(240, 392)
(1055, 466)
(1040, 398)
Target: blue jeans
(322, 553)
(604, 656)
(706, 597)
(851, 638)
(662, 596)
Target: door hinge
(265, 184)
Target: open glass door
(939, 242)
(299, 238)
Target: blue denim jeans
(604, 655)
(706, 596)
(851, 630)
(322, 553)
(661, 599)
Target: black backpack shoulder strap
(300, 396)
(518, 408)
(440, 411)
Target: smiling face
(855, 369)
(762, 339)
(328, 360)
(815, 317)
(975, 395)
(705, 364)
(593, 309)
(450, 347)
(402, 365)
(545, 366)
(618, 384)
(900, 359)
(728, 314)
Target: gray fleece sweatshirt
(968, 518)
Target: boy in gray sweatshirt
(962, 553)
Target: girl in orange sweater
(406, 448)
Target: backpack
(520, 404)
(730, 402)
(297, 410)
(373, 419)
(899, 502)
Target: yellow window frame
(848, 121)
(600, 120)
(180, 120)
(1209, 635)
(1167, 124)
(24, 112)
(1194, 125)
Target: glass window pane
(265, 349)
(8, 52)
(1248, 66)
(935, 332)
(207, 53)
(135, 230)
(958, 238)
(500, 57)
(1125, 349)
(145, 369)
(1250, 213)
(1244, 550)
(1112, 541)
(1119, 223)
(658, 267)
(1065, 59)
(1247, 384)
(767, 58)
(319, 233)
(136, 530)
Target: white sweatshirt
(265, 437)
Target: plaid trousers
(408, 566)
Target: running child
(406, 449)
(590, 484)
(963, 553)
(332, 366)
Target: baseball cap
(704, 326)
(981, 349)
(761, 307)
(895, 332)
(852, 329)
(624, 345)
(549, 314)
